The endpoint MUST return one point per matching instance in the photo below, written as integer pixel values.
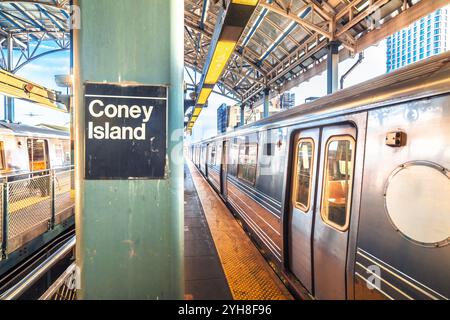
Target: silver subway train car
(348, 195)
(37, 190)
(25, 149)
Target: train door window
(37, 153)
(304, 166)
(2, 157)
(338, 179)
(247, 162)
(269, 149)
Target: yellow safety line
(248, 274)
(22, 204)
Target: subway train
(348, 195)
(25, 149)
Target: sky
(373, 65)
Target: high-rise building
(228, 118)
(222, 118)
(234, 117)
(424, 38)
(287, 100)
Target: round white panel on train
(417, 202)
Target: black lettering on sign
(126, 131)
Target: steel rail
(23, 285)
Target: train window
(37, 154)
(338, 179)
(304, 166)
(247, 162)
(269, 149)
(2, 157)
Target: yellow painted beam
(20, 88)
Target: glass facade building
(223, 113)
(424, 38)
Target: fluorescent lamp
(246, 2)
(197, 112)
(204, 95)
(222, 54)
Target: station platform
(221, 261)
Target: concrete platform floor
(221, 261)
(204, 276)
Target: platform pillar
(332, 67)
(242, 123)
(130, 232)
(266, 102)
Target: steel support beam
(332, 67)
(242, 123)
(130, 232)
(9, 101)
(266, 102)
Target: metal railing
(65, 287)
(32, 203)
(25, 283)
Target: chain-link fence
(63, 195)
(33, 202)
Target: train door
(332, 213)
(224, 169)
(301, 219)
(38, 154)
(319, 218)
(197, 156)
(203, 159)
(207, 157)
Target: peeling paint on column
(127, 227)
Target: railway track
(30, 279)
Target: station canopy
(29, 25)
(284, 43)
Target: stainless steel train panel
(224, 168)
(213, 164)
(390, 263)
(273, 152)
(204, 159)
(259, 211)
(374, 258)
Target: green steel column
(242, 123)
(130, 233)
(266, 103)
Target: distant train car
(25, 149)
(348, 194)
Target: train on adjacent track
(25, 149)
(348, 195)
